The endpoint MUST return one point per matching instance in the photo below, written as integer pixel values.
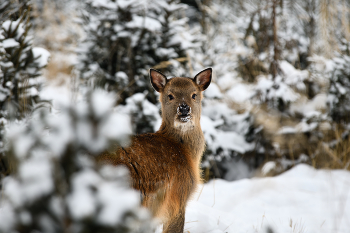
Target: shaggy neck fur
(192, 139)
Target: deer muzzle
(184, 112)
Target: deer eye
(171, 97)
(194, 96)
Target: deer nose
(184, 109)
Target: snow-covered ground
(301, 200)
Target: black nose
(184, 109)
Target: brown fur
(164, 165)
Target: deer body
(164, 165)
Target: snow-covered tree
(13, 9)
(20, 66)
(55, 184)
(338, 97)
(126, 38)
(267, 94)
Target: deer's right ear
(158, 80)
(203, 78)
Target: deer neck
(191, 139)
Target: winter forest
(75, 82)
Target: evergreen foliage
(56, 186)
(20, 67)
(268, 57)
(338, 97)
(126, 38)
(13, 9)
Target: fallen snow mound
(301, 200)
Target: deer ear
(203, 78)
(158, 80)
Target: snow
(231, 141)
(116, 205)
(240, 92)
(293, 76)
(121, 77)
(10, 43)
(35, 175)
(6, 64)
(301, 127)
(269, 166)
(61, 133)
(304, 106)
(9, 25)
(139, 22)
(12, 188)
(124, 3)
(42, 54)
(166, 52)
(226, 140)
(102, 102)
(116, 126)
(112, 199)
(2, 96)
(23, 142)
(139, 105)
(104, 3)
(59, 96)
(224, 128)
(287, 130)
(213, 91)
(300, 200)
(81, 202)
(7, 217)
(33, 91)
(271, 89)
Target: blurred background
(279, 95)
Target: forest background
(77, 72)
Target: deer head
(181, 98)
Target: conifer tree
(20, 64)
(126, 38)
(338, 96)
(56, 185)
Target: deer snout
(184, 109)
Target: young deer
(164, 165)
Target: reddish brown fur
(164, 165)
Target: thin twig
(165, 64)
(200, 193)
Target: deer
(165, 166)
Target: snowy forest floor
(301, 200)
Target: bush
(20, 68)
(56, 186)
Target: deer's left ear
(203, 78)
(158, 80)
